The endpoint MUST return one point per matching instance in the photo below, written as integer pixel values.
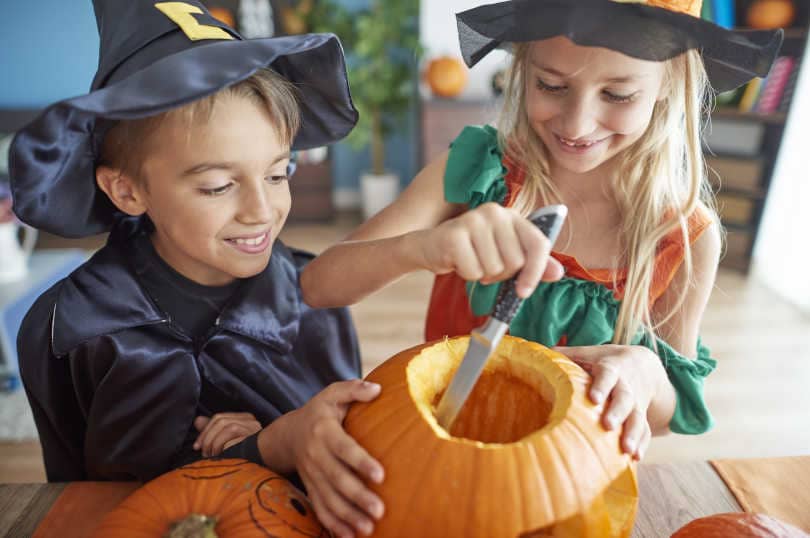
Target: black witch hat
(654, 30)
(156, 56)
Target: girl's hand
(490, 243)
(222, 431)
(331, 464)
(628, 378)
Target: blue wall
(48, 51)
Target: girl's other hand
(489, 244)
(222, 431)
(626, 378)
(331, 463)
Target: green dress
(576, 311)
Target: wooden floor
(758, 394)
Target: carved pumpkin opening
(511, 400)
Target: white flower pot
(377, 192)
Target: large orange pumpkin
(768, 14)
(214, 498)
(738, 525)
(446, 76)
(527, 455)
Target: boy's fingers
(355, 456)
(346, 392)
(325, 516)
(339, 492)
(201, 422)
(234, 431)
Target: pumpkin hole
(502, 408)
(512, 398)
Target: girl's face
(217, 193)
(587, 104)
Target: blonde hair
(661, 178)
(126, 142)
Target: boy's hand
(222, 431)
(491, 243)
(628, 379)
(331, 464)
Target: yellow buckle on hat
(181, 14)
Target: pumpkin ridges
(160, 502)
(486, 470)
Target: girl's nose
(579, 118)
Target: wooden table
(670, 496)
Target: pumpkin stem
(193, 526)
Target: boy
(187, 331)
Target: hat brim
(52, 160)
(731, 57)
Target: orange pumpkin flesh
(527, 455)
(446, 76)
(214, 498)
(739, 525)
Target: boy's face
(587, 104)
(217, 193)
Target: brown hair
(126, 141)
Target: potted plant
(382, 51)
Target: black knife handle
(549, 220)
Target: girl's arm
(421, 230)
(681, 331)
(383, 248)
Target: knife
(485, 339)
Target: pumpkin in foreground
(214, 498)
(739, 525)
(526, 457)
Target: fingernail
(365, 527)
(377, 475)
(370, 385)
(525, 291)
(376, 510)
(630, 447)
(596, 396)
(196, 446)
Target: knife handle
(549, 220)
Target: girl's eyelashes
(548, 87)
(615, 98)
(610, 96)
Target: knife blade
(485, 339)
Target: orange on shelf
(768, 14)
(223, 15)
(446, 76)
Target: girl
(601, 113)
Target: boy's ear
(122, 190)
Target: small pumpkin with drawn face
(214, 498)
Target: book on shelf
(722, 12)
(774, 85)
(790, 87)
(750, 95)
